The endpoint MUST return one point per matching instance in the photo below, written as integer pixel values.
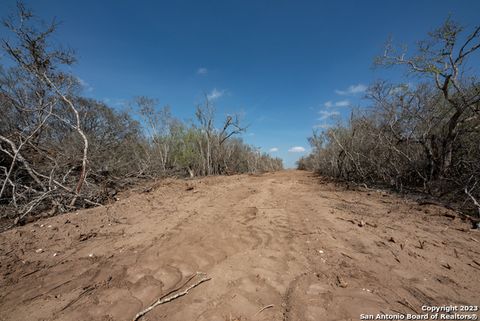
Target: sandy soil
(287, 242)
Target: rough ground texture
(308, 249)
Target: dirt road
(279, 246)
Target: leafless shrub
(422, 137)
(198, 149)
(60, 151)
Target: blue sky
(286, 66)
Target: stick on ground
(164, 299)
(264, 308)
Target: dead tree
(48, 90)
(442, 57)
(205, 114)
(212, 145)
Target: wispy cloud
(202, 71)
(297, 149)
(273, 150)
(322, 126)
(115, 102)
(215, 94)
(86, 86)
(352, 90)
(325, 114)
(341, 103)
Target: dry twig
(167, 298)
(264, 308)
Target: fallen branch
(166, 298)
(264, 308)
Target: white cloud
(202, 71)
(352, 90)
(322, 126)
(273, 150)
(85, 85)
(296, 149)
(324, 114)
(341, 103)
(215, 94)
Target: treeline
(60, 151)
(423, 137)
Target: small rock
(90, 255)
(341, 283)
(39, 251)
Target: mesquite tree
(442, 57)
(423, 136)
(38, 92)
(60, 151)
